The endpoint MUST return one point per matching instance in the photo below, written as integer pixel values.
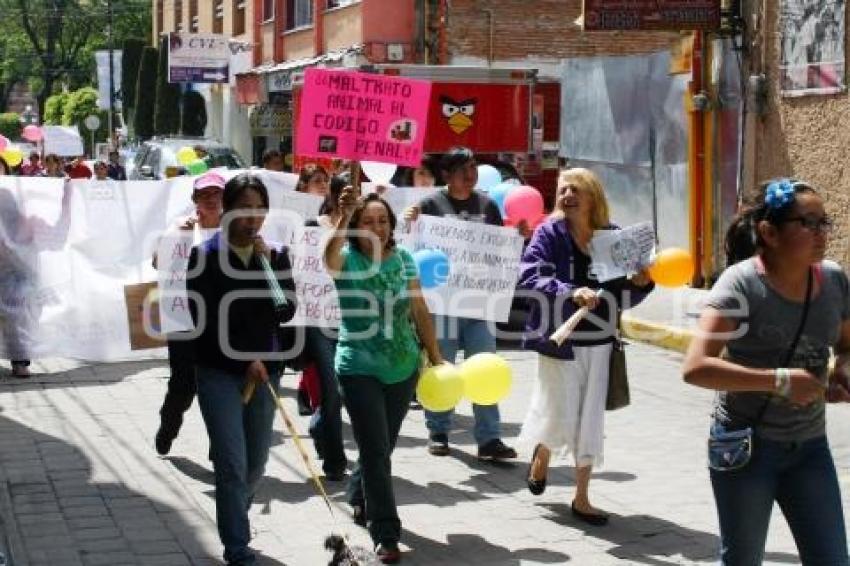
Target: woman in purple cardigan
(568, 404)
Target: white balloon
(488, 177)
(378, 172)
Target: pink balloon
(524, 203)
(4, 142)
(32, 133)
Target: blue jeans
(473, 337)
(377, 411)
(326, 422)
(801, 478)
(240, 436)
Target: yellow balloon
(440, 388)
(486, 378)
(672, 267)
(12, 156)
(186, 155)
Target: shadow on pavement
(60, 515)
(640, 538)
(463, 548)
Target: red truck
(506, 116)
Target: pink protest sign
(362, 116)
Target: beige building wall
(343, 27)
(299, 44)
(807, 137)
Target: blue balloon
(488, 177)
(433, 267)
(500, 192)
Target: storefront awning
(278, 76)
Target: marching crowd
(771, 324)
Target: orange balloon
(672, 267)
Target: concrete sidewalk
(667, 318)
(86, 488)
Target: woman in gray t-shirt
(775, 250)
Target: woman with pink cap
(206, 195)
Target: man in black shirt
(460, 200)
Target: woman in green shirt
(384, 320)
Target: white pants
(567, 411)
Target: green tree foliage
(10, 125)
(145, 86)
(54, 108)
(81, 104)
(166, 118)
(52, 42)
(194, 115)
(130, 59)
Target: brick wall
(537, 29)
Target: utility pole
(109, 135)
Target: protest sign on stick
(620, 253)
(362, 116)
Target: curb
(656, 334)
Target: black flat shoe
(536, 487)
(595, 519)
(358, 513)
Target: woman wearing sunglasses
(764, 345)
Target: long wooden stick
(563, 332)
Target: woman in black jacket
(240, 292)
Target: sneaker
(438, 445)
(388, 553)
(495, 450)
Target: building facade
(228, 121)
(804, 136)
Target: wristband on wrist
(782, 382)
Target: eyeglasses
(824, 225)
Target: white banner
(102, 60)
(483, 266)
(67, 255)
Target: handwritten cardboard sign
(620, 253)
(363, 116)
(483, 266)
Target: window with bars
(299, 13)
(218, 17)
(239, 17)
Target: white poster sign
(172, 262)
(620, 253)
(64, 141)
(813, 39)
(483, 266)
(314, 288)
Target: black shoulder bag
(732, 449)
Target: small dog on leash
(345, 555)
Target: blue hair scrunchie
(779, 194)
